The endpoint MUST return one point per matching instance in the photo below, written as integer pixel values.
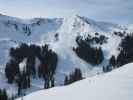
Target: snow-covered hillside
(115, 85)
(14, 31)
(41, 31)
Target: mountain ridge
(61, 35)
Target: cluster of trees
(86, 52)
(49, 83)
(47, 68)
(48, 62)
(26, 30)
(10, 23)
(98, 39)
(121, 34)
(126, 51)
(3, 95)
(23, 81)
(112, 64)
(11, 70)
(74, 76)
(125, 56)
(39, 21)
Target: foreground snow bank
(116, 85)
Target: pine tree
(74, 76)
(12, 98)
(47, 84)
(11, 70)
(108, 68)
(19, 87)
(112, 61)
(104, 69)
(3, 95)
(66, 80)
(86, 52)
(52, 82)
(28, 81)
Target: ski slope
(115, 85)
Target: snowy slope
(74, 26)
(43, 30)
(115, 85)
(12, 32)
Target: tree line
(73, 77)
(124, 57)
(46, 69)
(90, 54)
(3, 95)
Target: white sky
(118, 11)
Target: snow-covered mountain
(14, 31)
(38, 30)
(115, 85)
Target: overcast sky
(118, 11)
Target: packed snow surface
(115, 85)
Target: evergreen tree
(3, 94)
(11, 70)
(126, 51)
(5, 97)
(46, 69)
(66, 80)
(108, 68)
(112, 61)
(75, 76)
(88, 53)
(28, 81)
(47, 83)
(52, 82)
